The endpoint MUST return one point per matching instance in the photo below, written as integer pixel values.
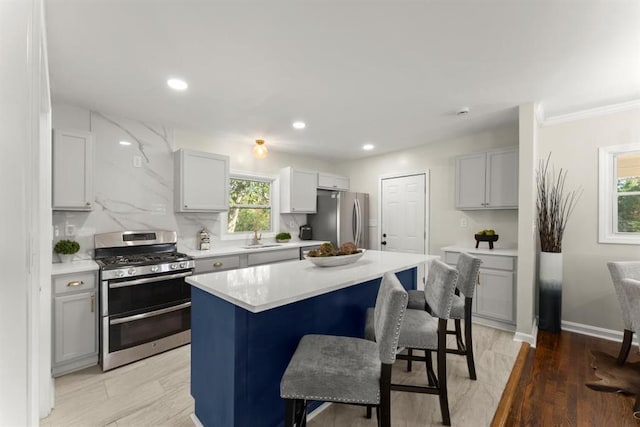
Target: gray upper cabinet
(201, 182)
(298, 190)
(329, 181)
(72, 168)
(487, 180)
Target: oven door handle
(147, 280)
(150, 314)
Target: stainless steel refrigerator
(341, 217)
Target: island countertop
(264, 287)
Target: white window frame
(607, 195)
(275, 207)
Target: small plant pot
(66, 257)
(282, 240)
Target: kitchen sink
(259, 246)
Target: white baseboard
(530, 338)
(318, 410)
(196, 421)
(595, 331)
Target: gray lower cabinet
(230, 262)
(75, 322)
(494, 297)
(218, 263)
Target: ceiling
(388, 72)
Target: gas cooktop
(120, 261)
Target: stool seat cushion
(333, 369)
(419, 330)
(417, 300)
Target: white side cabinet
(298, 190)
(494, 299)
(72, 168)
(487, 180)
(75, 322)
(328, 181)
(201, 181)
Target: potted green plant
(66, 249)
(283, 237)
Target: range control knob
(154, 268)
(120, 273)
(131, 271)
(173, 266)
(183, 264)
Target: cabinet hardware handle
(478, 280)
(186, 206)
(217, 264)
(88, 203)
(75, 283)
(93, 303)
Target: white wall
(439, 158)
(588, 294)
(142, 198)
(23, 103)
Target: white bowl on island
(336, 260)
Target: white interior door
(403, 214)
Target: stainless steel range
(144, 300)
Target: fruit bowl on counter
(486, 236)
(328, 256)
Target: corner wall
(439, 159)
(588, 294)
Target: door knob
(384, 235)
(383, 243)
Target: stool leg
(468, 340)
(410, 352)
(378, 418)
(459, 342)
(626, 346)
(290, 413)
(369, 412)
(384, 414)
(431, 376)
(442, 371)
(303, 413)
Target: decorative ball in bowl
(328, 256)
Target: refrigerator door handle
(354, 221)
(358, 221)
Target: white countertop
(482, 251)
(261, 288)
(73, 267)
(235, 250)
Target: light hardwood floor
(155, 392)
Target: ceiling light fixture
(177, 84)
(125, 143)
(260, 150)
(367, 147)
(299, 125)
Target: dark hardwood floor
(551, 390)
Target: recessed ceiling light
(125, 143)
(367, 147)
(177, 84)
(463, 111)
(299, 125)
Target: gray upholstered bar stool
(624, 270)
(427, 331)
(347, 370)
(468, 268)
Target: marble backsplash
(133, 187)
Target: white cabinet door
(470, 181)
(202, 182)
(502, 179)
(333, 182)
(298, 190)
(72, 167)
(494, 295)
(75, 326)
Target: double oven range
(145, 303)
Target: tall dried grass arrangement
(554, 207)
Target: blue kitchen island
(246, 324)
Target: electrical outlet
(464, 223)
(69, 230)
(137, 161)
